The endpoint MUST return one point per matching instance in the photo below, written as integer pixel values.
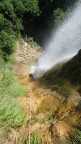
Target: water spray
(63, 45)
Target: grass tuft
(33, 139)
(11, 114)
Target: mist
(64, 43)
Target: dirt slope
(50, 116)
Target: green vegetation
(11, 113)
(56, 82)
(72, 70)
(31, 19)
(11, 12)
(76, 138)
(24, 16)
(33, 139)
(63, 87)
(33, 43)
(7, 43)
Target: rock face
(72, 69)
(25, 54)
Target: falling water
(63, 45)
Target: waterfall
(64, 43)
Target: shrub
(7, 43)
(11, 17)
(59, 15)
(11, 114)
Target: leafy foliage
(11, 114)
(7, 42)
(14, 13)
(26, 6)
(11, 13)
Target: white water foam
(63, 45)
